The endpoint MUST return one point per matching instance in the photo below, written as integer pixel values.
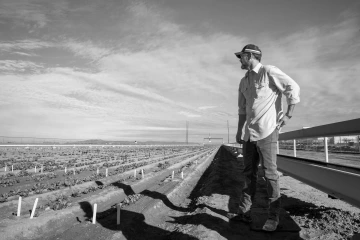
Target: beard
(245, 66)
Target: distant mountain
(105, 142)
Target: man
(260, 120)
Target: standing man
(261, 117)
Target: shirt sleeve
(241, 101)
(286, 85)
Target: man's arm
(242, 120)
(290, 89)
(242, 114)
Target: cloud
(148, 74)
(19, 66)
(23, 54)
(206, 107)
(24, 11)
(85, 49)
(27, 44)
(189, 115)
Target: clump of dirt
(328, 220)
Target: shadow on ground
(132, 224)
(221, 177)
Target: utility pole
(228, 129)
(187, 132)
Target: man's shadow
(132, 225)
(152, 194)
(221, 180)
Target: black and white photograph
(179, 119)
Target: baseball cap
(250, 48)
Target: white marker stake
(196, 162)
(97, 171)
(35, 169)
(34, 208)
(65, 169)
(118, 214)
(142, 173)
(172, 175)
(135, 173)
(94, 213)
(74, 171)
(19, 207)
(106, 172)
(182, 175)
(5, 168)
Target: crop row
(38, 188)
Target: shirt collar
(257, 68)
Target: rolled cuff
(291, 101)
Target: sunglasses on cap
(240, 54)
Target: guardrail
(338, 181)
(350, 127)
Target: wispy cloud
(19, 66)
(28, 44)
(85, 49)
(148, 73)
(206, 107)
(189, 115)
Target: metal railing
(345, 128)
(334, 179)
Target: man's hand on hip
(283, 121)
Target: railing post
(294, 148)
(326, 149)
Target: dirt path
(195, 208)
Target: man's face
(245, 61)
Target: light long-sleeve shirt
(260, 94)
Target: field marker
(142, 173)
(74, 171)
(65, 169)
(34, 208)
(118, 214)
(182, 175)
(172, 175)
(196, 162)
(5, 168)
(134, 173)
(97, 171)
(19, 207)
(106, 172)
(35, 168)
(94, 213)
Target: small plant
(76, 193)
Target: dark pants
(264, 152)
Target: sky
(138, 70)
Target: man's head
(249, 55)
